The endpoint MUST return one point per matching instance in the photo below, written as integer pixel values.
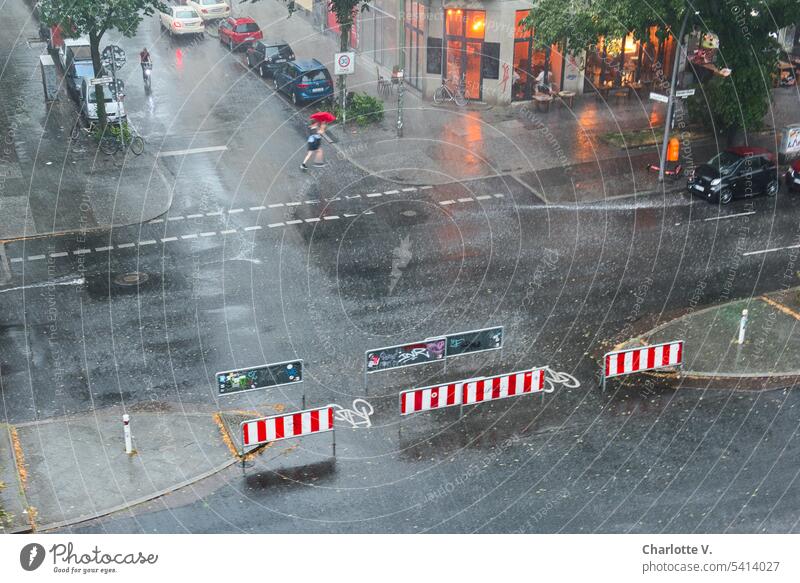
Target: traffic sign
(344, 63)
(101, 81)
(260, 377)
(659, 97)
(683, 93)
(113, 57)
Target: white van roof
(72, 42)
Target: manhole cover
(409, 213)
(133, 278)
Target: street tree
(93, 18)
(745, 28)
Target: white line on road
(214, 214)
(157, 221)
(312, 202)
(466, 199)
(208, 234)
(258, 208)
(313, 220)
(499, 196)
(16, 259)
(410, 189)
(374, 194)
(331, 217)
(254, 228)
(425, 187)
(295, 203)
(391, 192)
(103, 249)
(295, 222)
(125, 245)
(276, 205)
(178, 218)
(273, 225)
(198, 216)
(64, 253)
(723, 217)
(483, 197)
(192, 236)
(762, 251)
(352, 196)
(81, 251)
(234, 211)
(35, 257)
(227, 232)
(148, 242)
(192, 151)
(168, 239)
(446, 202)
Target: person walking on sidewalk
(314, 144)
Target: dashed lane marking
(253, 228)
(63, 254)
(466, 199)
(391, 192)
(276, 205)
(35, 257)
(169, 239)
(208, 234)
(273, 225)
(374, 194)
(227, 232)
(331, 217)
(192, 236)
(258, 208)
(16, 259)
(196, 216)
(483, 197)
(295, 222)
(148, 242)
(294, 203)
(410, 189)
(125, 245)
(313, 220)
(446, 202)
(234, 211)
(178, 218)
(81, 251)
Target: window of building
(464, 33)
(415, 41)
(529, 62)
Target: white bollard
(742, 327)
(126, 427)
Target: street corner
(78, 467)
(746, 344)
(230, 422)
(16, 516)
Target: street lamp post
(671, 99)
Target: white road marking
(208, 234)
(192, 236)
(234, 211)
(391, 192)
(722, 217)
(425, 187)
(81, 251)
(331, 217)
(258, 208)
(410, 189)
(353, 196)
(199, 216)
(254, 228)
(16, 259)
(273, 225)
(499, 196)
(168, 239)
(483, 197)
(335, 199)
(192, 151)
(295, 203)
(178, 218)
(762, 251)
(64, 253)
(312, 202)
(125, 245)
(35, 257)
(446, 202)
(148, 242)
(157, 221)
(276, 205)
(314, 220)
(347, 216)
(214, 214)
(466, 199)
(227, 232)
(374, 194)
(295, 222)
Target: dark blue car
(306, 80)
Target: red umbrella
(323, 117)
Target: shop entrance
(529, 62)
(464, 33)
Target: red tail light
(303, 85)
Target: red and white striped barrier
(631, 360)
(472, 391)
(287, 425)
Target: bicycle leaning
(113, 139)
(443, 93)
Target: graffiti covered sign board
(259, 377)
(474, 341)
(412, 354)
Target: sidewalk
(77, 469)
(49, 183)
(769, 353)
(560, 154)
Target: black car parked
(267, 56)
(736, 173)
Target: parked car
(266, 56)
(78, 66)
(182, 20)
(88, 102)
(236, 32)
(735, 173)
(306, 80)
(793, 176)
(66, 45)
(210, 9)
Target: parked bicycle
(444, 94)
(112, 140)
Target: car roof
(242, 20)
(273, 43)
(745, 151)
(81, 53)
(308, 64)
(73, 42)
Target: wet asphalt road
(258, 262)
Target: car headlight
(716, 182)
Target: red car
(793, 176)
(238, 32)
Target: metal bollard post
(742, 327)
(126, 428)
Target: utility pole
(671, 100)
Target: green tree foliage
(744, 28)
(94, 18)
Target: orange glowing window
(476, 23)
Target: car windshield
(210, 2)
(725, 161)
(84, 69)
(315, 76)
(186, 14)
(106, 96)
(250, 27)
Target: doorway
(464, 34)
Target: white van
(72, 42)
(88, 101)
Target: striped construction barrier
(472, 391)
(287, 425)
(644, 358)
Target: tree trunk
(94, 45)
